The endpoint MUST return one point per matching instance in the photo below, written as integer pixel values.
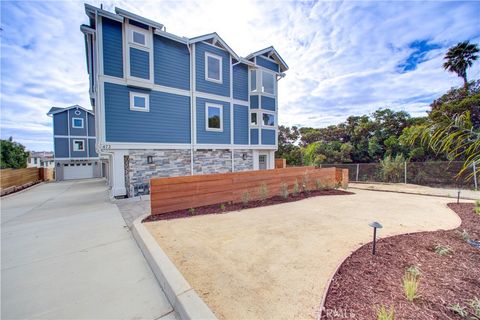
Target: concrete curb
(180, 294)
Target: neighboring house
(170, 106)
(74, 143)
(40, 159)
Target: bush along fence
(179, 193)
(433, 174)
(12, 180)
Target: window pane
(268, 119)
(268, 83)
(214, 118)
(253, 81)
(213, 68)
(77, 123)
(139, 38)
(253, 119)
(78, 145)
(139, 102)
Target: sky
(345, 57)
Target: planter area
(447, 268)
(228, 207)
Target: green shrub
(296, 188)
(222, 207)
(384, 314)
(458, 309)
(410, 286)
(414, 271)
(263, 192)
(305, 182)
(191, 211)
(392, 169)
(475, 305)
(319, 185)
(443, 250)
(284, 190)
(477, 207)
(245, 198)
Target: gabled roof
(133, 16)
(216, 38)
(271, 52)
(54, 110)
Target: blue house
(74, 143)
(167, 105)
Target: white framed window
(254, 119)
(213, 117)
(139, 102)
(268, 82)
(78, 145)
(138, 36)
(253, 80)
(213, 67)
(268, 119)
(77, 123)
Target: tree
(12, 155)
(459, 58)
(287, 148)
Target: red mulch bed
(364, 282)
(216, 208)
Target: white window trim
(131, 29)
(274, 83)
(220, 59)
(139, 95)
(250, 81)
(75, 146)
(219, 106)
(274, 119)
(127, 44)
(73, 123)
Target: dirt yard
(274, 262)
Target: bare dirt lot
(275, 262)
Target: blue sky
(345, 58)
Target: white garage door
(78, 172)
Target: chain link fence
(433, 174)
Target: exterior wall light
(375, 225)
(244, 156)
(150, 159)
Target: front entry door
(262, 162)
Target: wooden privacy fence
(178, 193)
(12, 180)
(280, 163)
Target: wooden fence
(177, 193)
(280, 163)
(12, 180)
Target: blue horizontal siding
(268, 103)
(81, 115)
(268, 136)
(253, 136)
(254, 102)
(240, 82)
(139, 63)
(171, 63)
(60, 123)
(61, 147)
(91, 125)
(203, 85)
(267, 64)
(91, 148)
(112, 48)
(168, 120)
(214, 137)
(78, 154)
(240, 124)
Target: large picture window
(214, 117)
(268, 119)
(213, 67)
(268, 82)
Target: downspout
(191, 109)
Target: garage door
(78, 172)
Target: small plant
(475, 305)
(465, 235)
(222, 207)
(410, 286)
(296, 188)
(284, 190)
(458, 309)
(263, 191)
(191, 211)
(477, 207)
(442, 250)
(305, 182)
(319, 185)
(384, 314)
(414, 271)
(245, 198)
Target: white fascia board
(89, 9)
(71, 107)
(133, 16)
(215, 36)
(171, 36)
(86, 29)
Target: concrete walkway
(67, 254)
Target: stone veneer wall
(166, 163)
(212, 161)
(239, 163)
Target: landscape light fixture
(458, 196)
(375, 225)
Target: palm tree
(460, 58)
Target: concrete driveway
(66, 254)
(274, 262)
